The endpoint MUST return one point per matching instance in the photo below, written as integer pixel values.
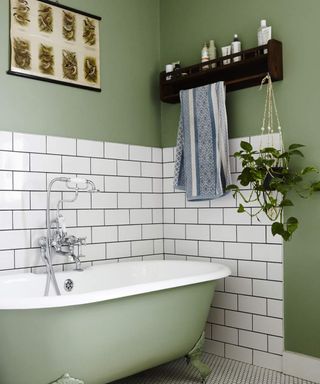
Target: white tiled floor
(224, 371)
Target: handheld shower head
(73, 185)
(77, 180)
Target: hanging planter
(275, 172)
(270, 175)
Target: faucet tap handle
(83, 240)
(72, 240)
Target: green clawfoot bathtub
(112, 321)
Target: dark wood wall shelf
(255, 63)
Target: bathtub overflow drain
(68, 285)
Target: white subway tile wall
(138, 215)
(123, 220)
(246, 319)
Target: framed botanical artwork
(55, 43)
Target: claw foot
(194, 357)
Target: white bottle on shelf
(264, 33)
(169, 70)
(205, 55)
(212, 53)
(236, 47)
(226, 51)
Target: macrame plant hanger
(267, 136)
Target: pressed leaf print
(46, 59)
(22, 55)
(22, 12)
(45, 18)
(89, 31)
(69, 26)
(91, 69)
(70, 65)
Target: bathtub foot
(194, 358)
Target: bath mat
(67, 379)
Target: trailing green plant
(272, 180)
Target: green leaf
(247, 176)
(295, 146)
(232, 187)
(277, 228)
(309, 170)
(292, 220)
(269, 162)
(315, 186)
(241, 208)
(282, 188)
(296, 152)
(286, 203)
(260, 162)
(275, 182)
(286, 236)
(271, 150)
(292, 224)
(246, 157)
(284, 155)
(246, 146)
(273, 200)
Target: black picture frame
(46, 79)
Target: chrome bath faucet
(57, 238)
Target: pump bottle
(236, 47)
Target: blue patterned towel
(202, 166)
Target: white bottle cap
(263, 23)
(169, 68)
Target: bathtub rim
(41, 302)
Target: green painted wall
(126, 111)
(185, 25)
